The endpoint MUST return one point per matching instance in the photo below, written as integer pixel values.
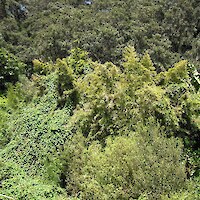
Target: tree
(10, 68)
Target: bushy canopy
(85, 116)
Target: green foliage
(67, 70)
(21, 93)
(38, 133)
(145, 162)
(167, 29)
(181, 87)
(192, 192)
(10, 68)
(194, 76)
(78, 61)
(4, 116)
(100, 130)
(30, 167)
(178, 74)
(112, 100)
(16, 184)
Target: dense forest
(100, 99)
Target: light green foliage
(100, 91)
(152, 101)
(178, 74)
(16, 184)
(192, 192)
(181, 86)
(4, 116)
(76, 64)
(193, 103)
(138, 71)
(145, 162)
(194, 76)
(21, 93)
(37, 136)
(79, 62)
(100, 131)
(38, 129)
(112, 100)
(67, 71)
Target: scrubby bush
(144, 162)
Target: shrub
(144, 162)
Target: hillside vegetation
(99, 100)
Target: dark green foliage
(2, 9)
(167, 29)
(10, 68)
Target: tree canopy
(99, 100)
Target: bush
(145, 162)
